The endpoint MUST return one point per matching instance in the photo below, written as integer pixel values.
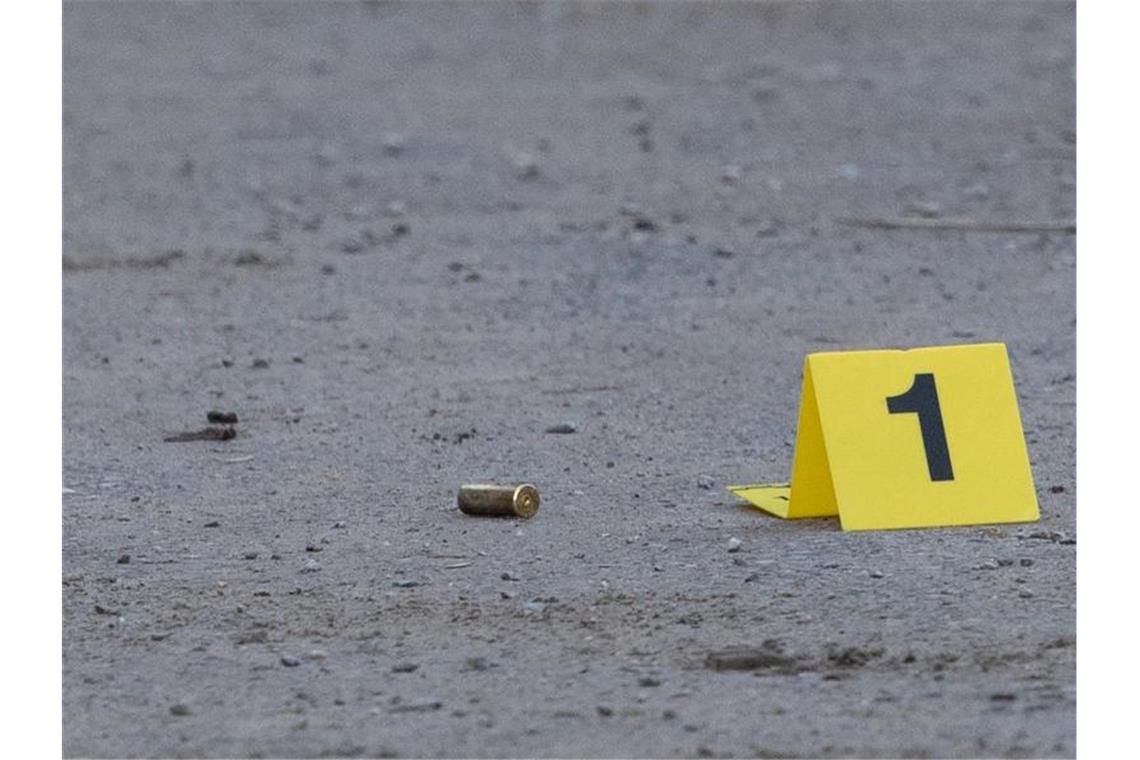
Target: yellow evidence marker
(907, 439)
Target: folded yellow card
(907, 439)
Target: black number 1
(922, 399)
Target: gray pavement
(402, 241)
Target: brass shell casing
(499, 501)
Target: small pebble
(876, 574)
(405, 667)
(604, 711)
(311, 566)
(405, 584)
(290, 662)
(249, 555)
(769, 228)
(427, 704)
(533, 607)
(394, 143)
(734, 545)
(648, 682)
(327, 155)
(352, 245)
(180, 710)
(215, 417)
(644, 224)
(977, 191)
(563, 428)
(925, 209)
(260, 364)
(730, 174)
(705, 482)
(124, 559)
(525, 166)
(509, 577)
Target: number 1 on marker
(922, 399)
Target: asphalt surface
(401, 242)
